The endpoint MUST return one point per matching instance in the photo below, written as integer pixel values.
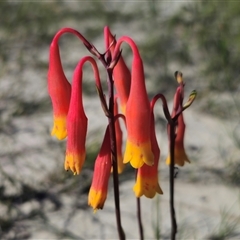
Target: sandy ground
(203, 200)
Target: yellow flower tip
(179, 77)
(123, 108)
(74, 162)
(147, 187)
(121, 165)
(96, 199)
(138, 190)
(120, 170)
(138, 154)
(168, 160)
(159, 190)
(180, 157)
(59, 128)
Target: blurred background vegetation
(201, 38)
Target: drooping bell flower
(147, 176)
(58, 86)
(59, 90)
(121, 73)
(77, 120)
(138, 147)
(102, 170)
(180, 156)
(119, 136)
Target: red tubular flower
(138, 147)
(102, 170)
(180, 156)
(77, 120)
(119, 134)
(59, 90)
(147, 176)
(58, 86)
(121, 73)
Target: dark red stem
(139, 217)
(172, 126)
(114, 155)
(72, 31)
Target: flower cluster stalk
(172, 126)
(121, 233)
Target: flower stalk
(139, 217)
(172, 126)
(114, 155)
(175, 132)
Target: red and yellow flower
(77, 120)
(102, 170)
(147, 176)
(59, 90)
(138, 147)
(76, 125)
(58, 86)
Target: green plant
(213, 29)
(227, 227)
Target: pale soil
(202, 197)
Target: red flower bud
(102, 170)
(77, 120)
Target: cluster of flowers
(142, 150)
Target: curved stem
(172, 126)
(94, 67)
(97, 80)
(164, 103)
(73, 31)
(91, 48)
(119, 115)
(117, 51)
